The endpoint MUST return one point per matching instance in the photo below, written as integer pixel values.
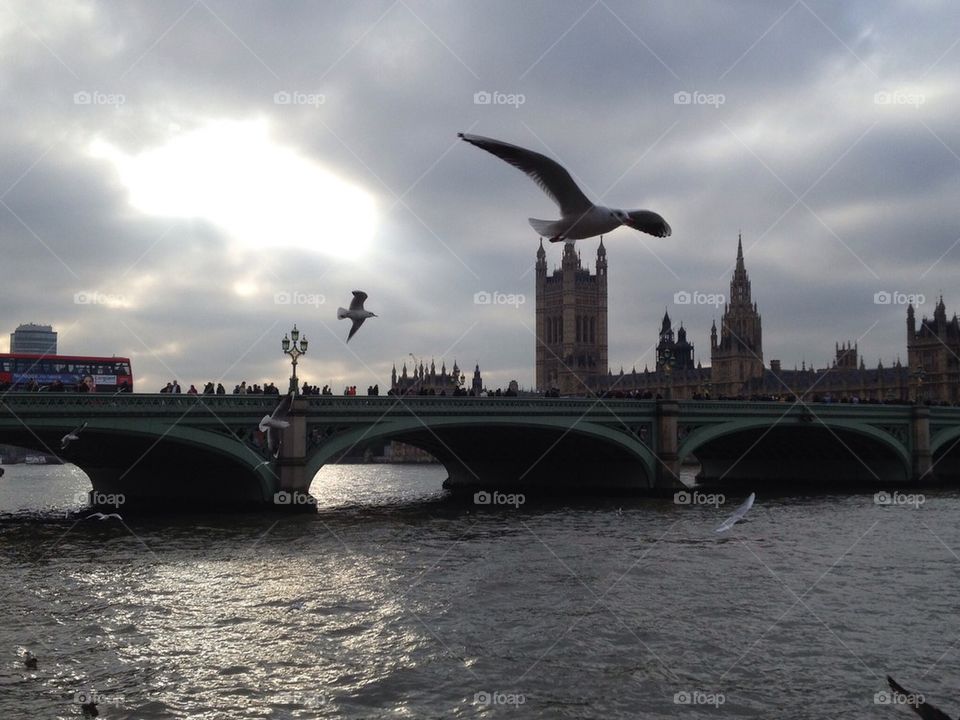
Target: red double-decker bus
(20, 371)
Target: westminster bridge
(205, 450)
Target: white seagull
(356, 312)
(738, 514)
(274, 423)
(101, 516)
(579, 218)
(70, 437)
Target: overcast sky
(183, 181)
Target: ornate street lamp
(294, 346)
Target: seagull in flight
(918, 704)
(356, 312)
(738, 514)
(71, 436)
(579, 218)
(101, 516)
(274, 423)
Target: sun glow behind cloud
(260, 194)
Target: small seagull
(579, 217)
(356, 313)
(274, 423)
(89, 709)
(921, 708)
(71, 436)
(738, 514)
(30, 660)
(101, 516)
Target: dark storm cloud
(838, 197)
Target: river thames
(395, 601)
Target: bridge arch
(149, 464)
(834, 449)
(497, 452)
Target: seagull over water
(71, 436)
(918, 704)
(101, 516)
(738, 514)
(356, 312)
(579, 217)
(274, 423)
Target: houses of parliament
(571, 350)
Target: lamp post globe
(294, 346)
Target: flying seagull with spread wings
(738, 514)
(916, 702)
(274, 424)
(356, 313)
(71, 436)
(579, 218)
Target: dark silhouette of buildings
(571, 323)
(736, 358)
(933, 354)
(424, 381)
(673, 354)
